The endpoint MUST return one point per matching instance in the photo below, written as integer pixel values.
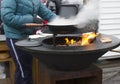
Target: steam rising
(88, 13)
(62, 21)
(73, 1)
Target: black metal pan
(61, 29)
(57, 28)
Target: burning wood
(87, 38)
(69, 42)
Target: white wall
(110, 22)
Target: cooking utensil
(58, 29)
(29, 43)
(31, 25)
(55, 28)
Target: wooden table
(5, 57)
(3, 46)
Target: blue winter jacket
(15, 13)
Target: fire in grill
(69, 58)
(72, 57)
(66, 41)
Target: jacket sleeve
(45, 13)
(9, 16)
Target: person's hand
(37, 20)
(45, 22)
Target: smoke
(87, 14)
(73, 1)
(62, 21)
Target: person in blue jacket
(15, 13)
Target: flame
(68, 42)
(88, 37)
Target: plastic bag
(2, 71)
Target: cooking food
(104, 39)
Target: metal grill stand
(54, 37)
